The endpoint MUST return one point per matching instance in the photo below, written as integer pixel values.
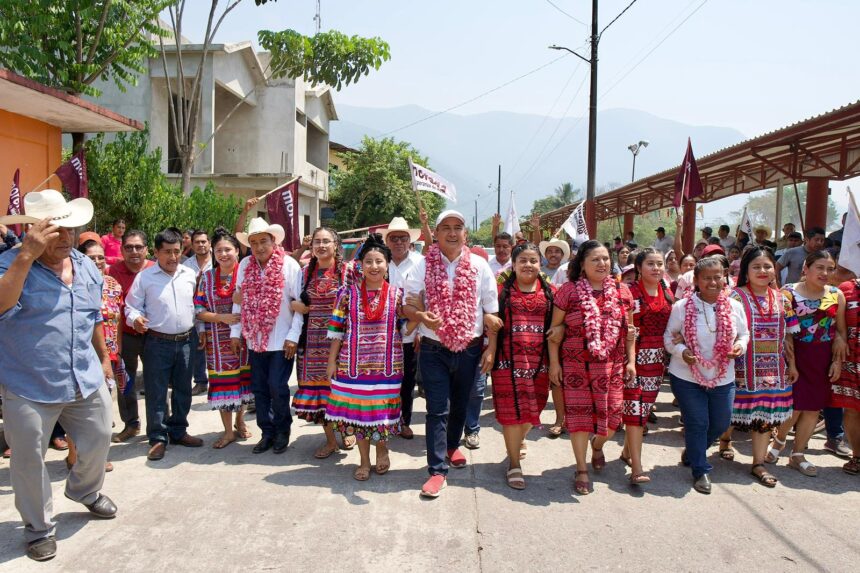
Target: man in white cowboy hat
(556, 252)
(266, 283)
(452, 328)
(160, 305)
(398, 237)
(58, 366)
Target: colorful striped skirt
(230, 390)
(367, 407)
(761, 410)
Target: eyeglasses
(322, 242)
(133, 247)
(399, 238)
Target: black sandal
(727, 453)
(765, 478)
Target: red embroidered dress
(650, 316)
(593, 390)
(846, 390)
(520, 373)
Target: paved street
(207, 510)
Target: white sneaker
(473, 441)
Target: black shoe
(199, 389)
(42, 549)
(703, 484)
(652, 417)
(281, 441)
(263, 445)
(684, 459)
(102, 507)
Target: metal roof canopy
(827, 145)
(71, 114)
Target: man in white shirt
(726, 240)
(663, 242)
(450, 357)
(160, 304)
(200, 262)
(503, 245)
(398, 237)
(269, 327)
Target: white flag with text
(575, 226)
(512, 222)
(849, 255)
(425, 180)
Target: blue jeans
(168, 363)
(270, 377)
(707, 414)
(407, 387)
(448, 378)
(198, 360)
(833, 423)
(476, 400)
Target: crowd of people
(748, 340)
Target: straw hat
(399, 224)
(259, 225)
(50, 204)
(565, 248)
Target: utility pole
(499, 192)
(590, 207)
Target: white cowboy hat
(50, 204)
(259, 225)
(565, 248)
(400, 225)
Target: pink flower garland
(602, 338)
(457, 308)
(261, 299)
(725, 338)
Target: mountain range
(537, 153)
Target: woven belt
(181, 337)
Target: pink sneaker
(456, 458)
(434, 486)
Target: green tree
(126, 181)
(563, 195)
(762, 208)
(69, 45)
(326, 58)
(377, 186)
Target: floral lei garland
(602, 338)
(457, 308)
(261, 299)
(725, 339)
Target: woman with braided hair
(517, 354)
(365, 360)
(321, 280)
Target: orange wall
(34, 147)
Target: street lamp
(635, 149)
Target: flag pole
(45, 180)
(290, 182)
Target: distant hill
(467, 149)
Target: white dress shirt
(191, 263)
(705, 337)
(665, 244)
(288, 325)
(166, 301)
(397, 276)
(487, 294)
(560, 276)
(498, 267)
(727, 243)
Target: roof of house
(72, 114)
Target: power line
(574, 18)
(652, 50)
(477, 97)
(615, 19)
(544, 120)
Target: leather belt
(181, 337)
(427, 341)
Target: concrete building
(270, 130)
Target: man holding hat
(50, 302)
(663, 243)
(460, 296)
(398, 237)
(266, 283)
(160, 305)
(556, 252)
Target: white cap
(450, 213)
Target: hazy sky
(754, 65)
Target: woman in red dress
(517, 355)
(846, 391)
(652, 305)
(598, 353)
